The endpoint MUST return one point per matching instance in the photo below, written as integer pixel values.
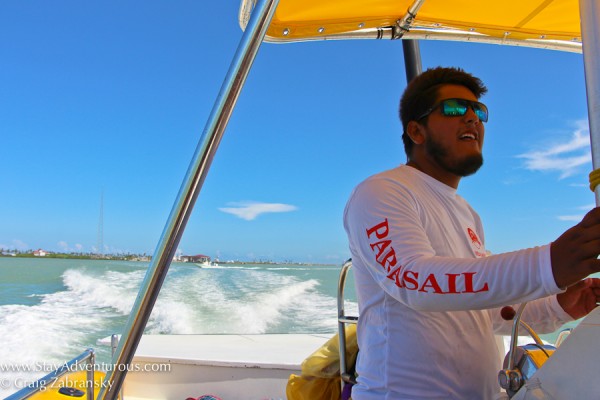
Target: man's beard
(461, 167)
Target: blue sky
(112, 97)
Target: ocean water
(51, 310)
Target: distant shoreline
(144, 258)
(127, 257)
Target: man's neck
(445, 177)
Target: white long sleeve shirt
(429, 296)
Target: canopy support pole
(412, 58)
(590, 35)
(188, 193)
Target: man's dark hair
(421, 93)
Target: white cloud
(564, 158)
(577, 217)
(249, 210)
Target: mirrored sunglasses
(458, 108)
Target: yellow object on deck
(69, 386)
(320, 378)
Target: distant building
(198, 258)
(40, 253)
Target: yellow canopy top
(536, 23)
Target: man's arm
(389, 241)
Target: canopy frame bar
(440, 34)
(403, 25)
(590, 36)
(188, 193)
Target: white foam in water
(194, 303)
(193, 300)
(257, 302)
(116, 290)
(170, 317)
(41, 337)
(268, 308)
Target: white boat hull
(252, 367)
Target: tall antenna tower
(100, 237)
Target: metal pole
(196, 174)
(114, 343)
(412, 58)
(342, 321)
(91, 377)
(590, 35)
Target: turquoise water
(51, 310)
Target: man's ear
(416, 132)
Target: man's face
(455, 143)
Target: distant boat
(207, 264)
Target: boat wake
(91, 304)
